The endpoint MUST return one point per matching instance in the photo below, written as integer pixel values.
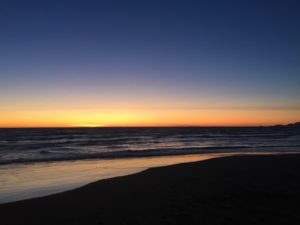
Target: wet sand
(250, 189)
(26, 181)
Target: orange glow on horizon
(141, 118)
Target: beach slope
(253, 189)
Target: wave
(54, 156)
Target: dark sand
(240, 190)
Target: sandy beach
(252, 189)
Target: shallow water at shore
(24, 181)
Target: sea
(63, 144)
(39, 162)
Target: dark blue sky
(158, 53)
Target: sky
(149, 63)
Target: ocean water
(62, 144)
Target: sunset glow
(82, 118)
(203, 64)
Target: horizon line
(169, 126)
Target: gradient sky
(148, 63)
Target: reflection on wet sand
(27, 181)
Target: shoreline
(27, 181)
(241, 189)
